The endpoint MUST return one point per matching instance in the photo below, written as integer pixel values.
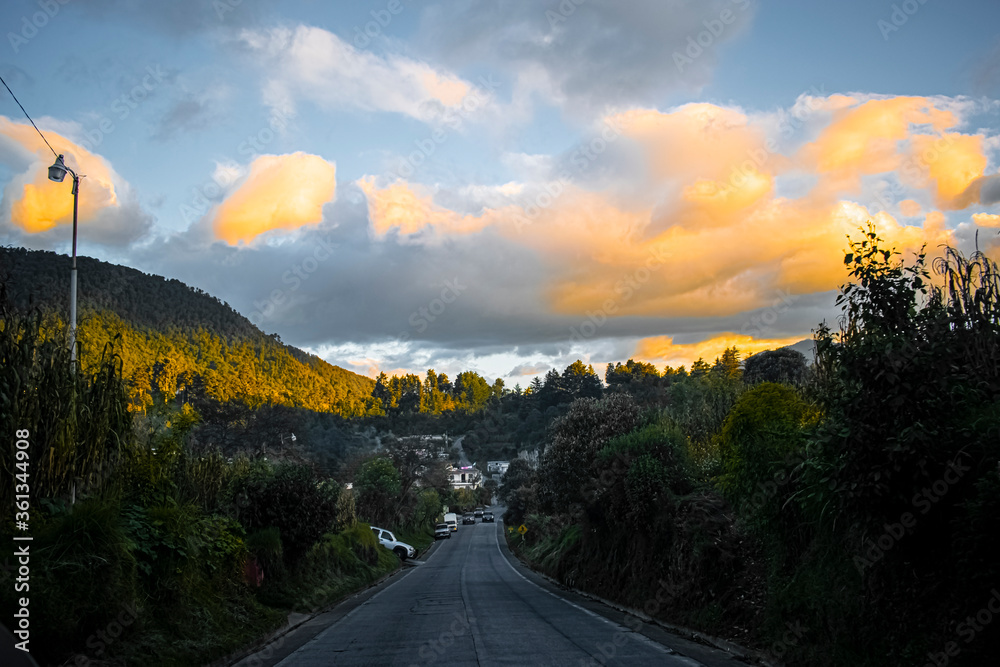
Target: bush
(576, 438)
(291, 498)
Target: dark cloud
(190, 113)
(590, 54)
(982, 190)
(114, 228)
(179, 16)
(446, 305)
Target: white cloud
(310, 63)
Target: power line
(28, 117)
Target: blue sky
(504, 186)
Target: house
(465, 477)
(497, 469)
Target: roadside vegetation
(847, 513)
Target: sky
(505, 187)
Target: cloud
(522, 370)
(663, 349)
(401, 208)
(986, 219)
(191, 112)
(310, 63)
(982, 190)
(280, 192)
(587, 56)
(180, 17)
(704, 236)
(36, 208)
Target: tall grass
(78, 424)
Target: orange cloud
(909, 208)
(399, 206)
(952, 162)
(663, 349)
(864, 138)
(695, 142)
(38, 204)
(986, 219)
(711, 237)
(280, 192)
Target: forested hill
(40, 277)
(175, 337)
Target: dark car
(442, 530)
(488, 517)
(478, 513)
(468, 518)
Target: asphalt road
(466, 603)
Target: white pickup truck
(389, 541)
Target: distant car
(468, 518)
(442, 530)
(389, 541)
(478, 513)
(488, 517)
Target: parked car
(452, 520)
(389, 541)
(468, 518)
(442, 530)
(478, 513)
(488, 517)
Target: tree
(519, 473)
(581, 381)
(700, 368)
(377, 486)
(783, 365)
(728, 365)
(472, 391)
(575, 439)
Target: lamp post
(57, 172)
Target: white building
(497, 469)
(466, 477)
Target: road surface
(466, 603)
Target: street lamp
(57, 172)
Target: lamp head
(57, 172)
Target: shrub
(291, 498)
(576, 438)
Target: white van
(452, 520)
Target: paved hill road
(467, 604)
